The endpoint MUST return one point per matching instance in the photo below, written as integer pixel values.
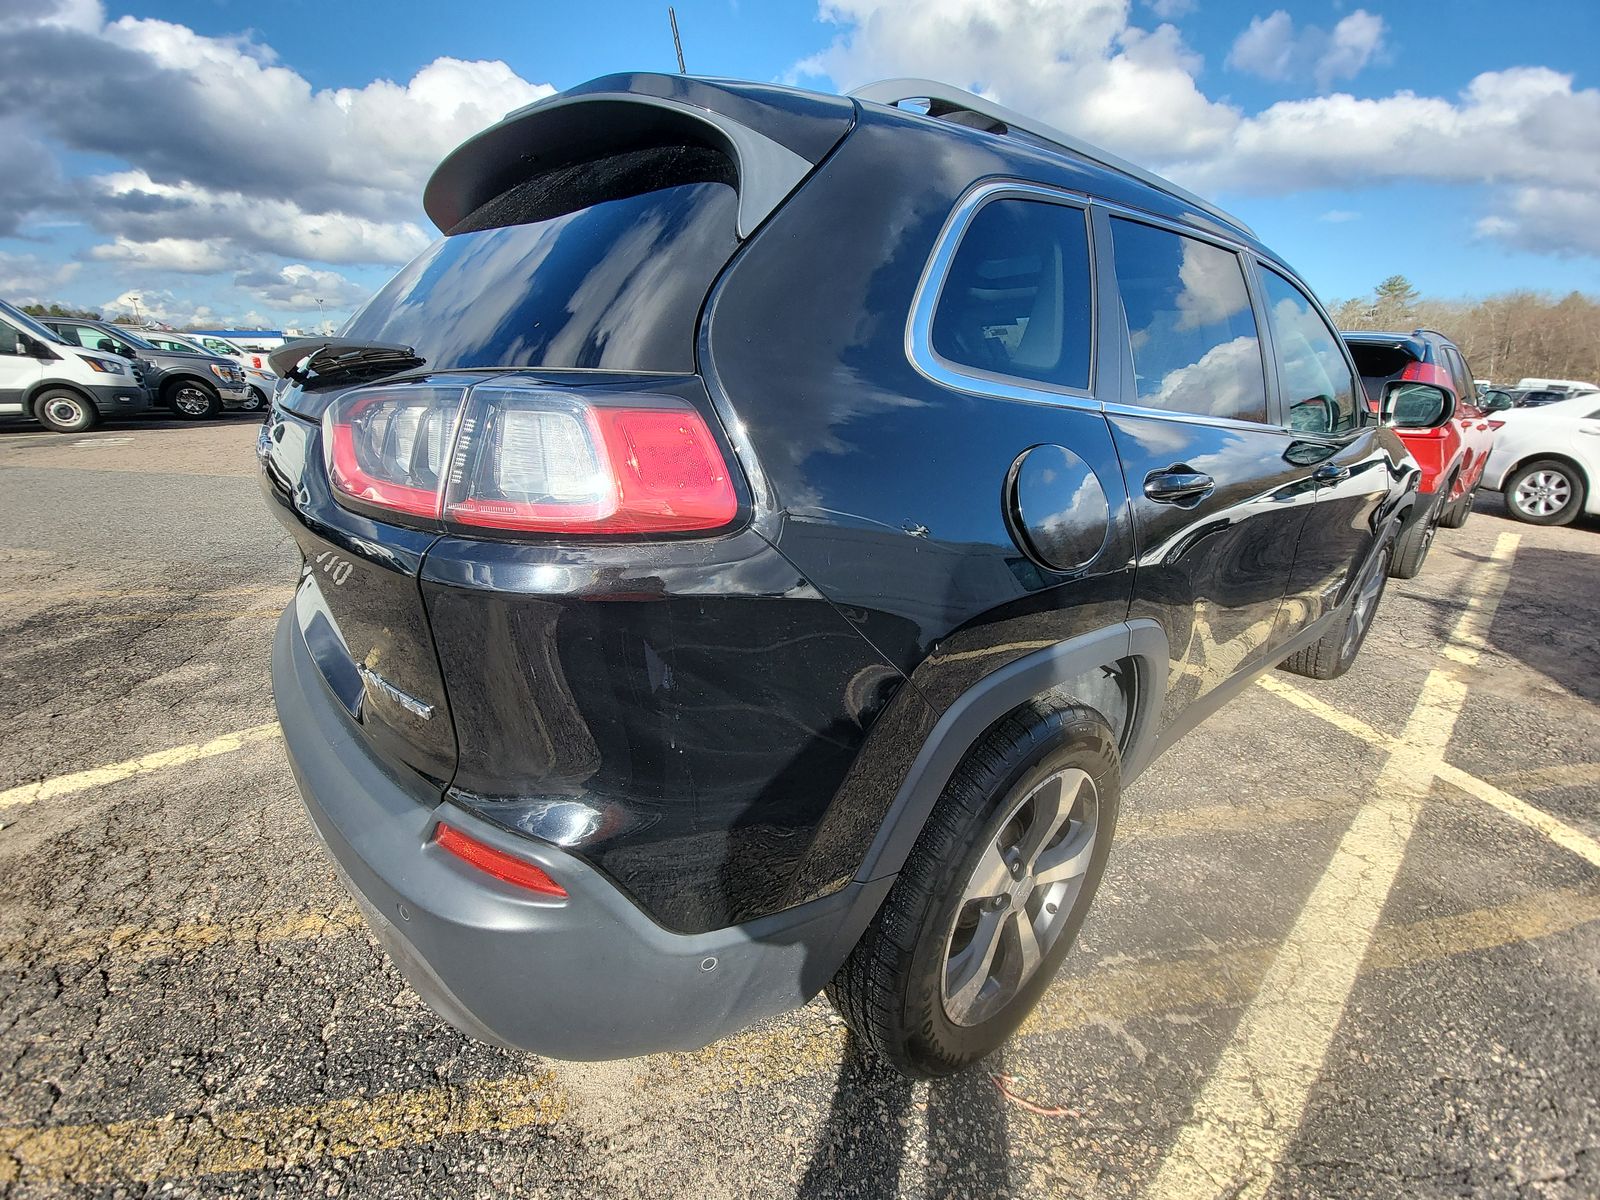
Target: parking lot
(1349, 942)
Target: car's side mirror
(1409, 405)
(107, 345)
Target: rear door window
(1018, 297)
(1319, 389)
(1191, 330)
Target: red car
(1451, 453)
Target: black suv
(754, 548)
(193, 384)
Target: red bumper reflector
(498, 863)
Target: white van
(64, 387)
(1556, 385)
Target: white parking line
(1256, 1096)
(62, 785)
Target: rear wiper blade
(322, 362)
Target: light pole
(322, 321)
(137, 319)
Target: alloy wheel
(1543, 493)
(1366, 602)
(191, 401)
(1016, 904)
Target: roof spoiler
(773, 135)
(954, 104)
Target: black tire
(1331, 655)
(1527, 495)
(1455, 516)
(65, 411)
(891, 989)
(192, 399)
(1411, 547)
(255, 401)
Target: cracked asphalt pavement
(190, 1005)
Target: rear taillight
(506, 867)
(1423, 372)
(530, 460)
(1493, 424)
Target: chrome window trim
(925, 302)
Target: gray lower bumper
(590, 977)
(112, 400)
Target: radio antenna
(676, 44)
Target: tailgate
(359, 608)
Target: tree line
(1506, 337)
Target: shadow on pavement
(862, 1148)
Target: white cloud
(27, 279)
(1171, 10)
(1082, 66)
(225, 145)
(1086, 67)
(1339, 216)
(1272, 48)
(159, 305)
(189, 255)
(297, 288)
(1547, 220)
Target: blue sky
(225, 160)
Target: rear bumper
(590, 977)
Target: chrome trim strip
(919, 326)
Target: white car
(1547, 460)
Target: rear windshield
(1379, 364)
(617, 285)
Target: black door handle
(1178, 485)
(1331, 473)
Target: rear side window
(587, 274)
(1319, 391)
(1017, 299)
(1191, 330)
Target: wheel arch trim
(976, 710)
(55, 385)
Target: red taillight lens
(530, 460)
(1493, 424)
(390, 448)
(1421, 372)
(556, 463)
(503, 866)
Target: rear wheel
(1330, 656)
(65, 411)
(1411, 547)
(193, 400)
(1546, 492)
(992, 896)
(1455, 516)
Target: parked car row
(68, 373)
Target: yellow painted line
(283, 1139)
(78, 781)
(1557, 830)
(190, 1144)
(1560, 775)
(136, 943)
(1320, 708)
(58, 594)
(156, 614)
(1254, 1101)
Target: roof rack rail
(946, 101)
